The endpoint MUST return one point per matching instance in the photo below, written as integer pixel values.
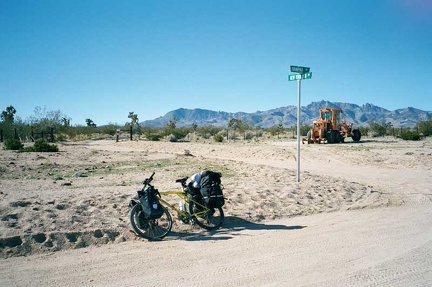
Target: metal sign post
(298, 130)
(303, 74)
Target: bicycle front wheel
(207, 218)
(150, 228)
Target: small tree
(90, 123)
(234, 124)
(389, 129)
(172, 124)
(425, 127)
(66, 121)
(134, 118)
(134, 122)
(171, 130)
(280, 129)
(43, 119)
(244, 126)
(7, 123)
(194, 127)
(8, 115)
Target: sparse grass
(58, 177)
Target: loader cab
(331, 118)
(326, 115)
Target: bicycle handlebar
(182, 181)
(148, 180)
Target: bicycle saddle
(182, 180)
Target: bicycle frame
(180, 194)
(183, 196)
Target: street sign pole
(298, 130)
(302, 73)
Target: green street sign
(297, 77)
(307, 76)
(300, 70)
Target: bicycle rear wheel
(150, 228)
(207, 218)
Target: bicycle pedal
(184, 220)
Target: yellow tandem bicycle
(192, 210)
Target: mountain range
(355, 114)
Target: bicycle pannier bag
(150, 203)
(211, 189)
(193, 190)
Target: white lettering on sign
(301, 70)
(295, 77)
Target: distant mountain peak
(358, 115)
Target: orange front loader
(329, 128)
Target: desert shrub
(248, 135)
(378, 129)
(364, 130)
(41, 145)
(178, 133)
(109, 129)
(259, 133)
(218, 138)
(304, 129)
(61, 137)
(208, 131)
(153, 137)
(13, 144)
(273, 130)
(410, 136)
(205, 136)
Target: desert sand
(360, 216)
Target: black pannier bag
(211, 189)
(150, 203)
(195, 195)
(194, 192)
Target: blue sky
(102, 59)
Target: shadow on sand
(229, 229)
(236, 224)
